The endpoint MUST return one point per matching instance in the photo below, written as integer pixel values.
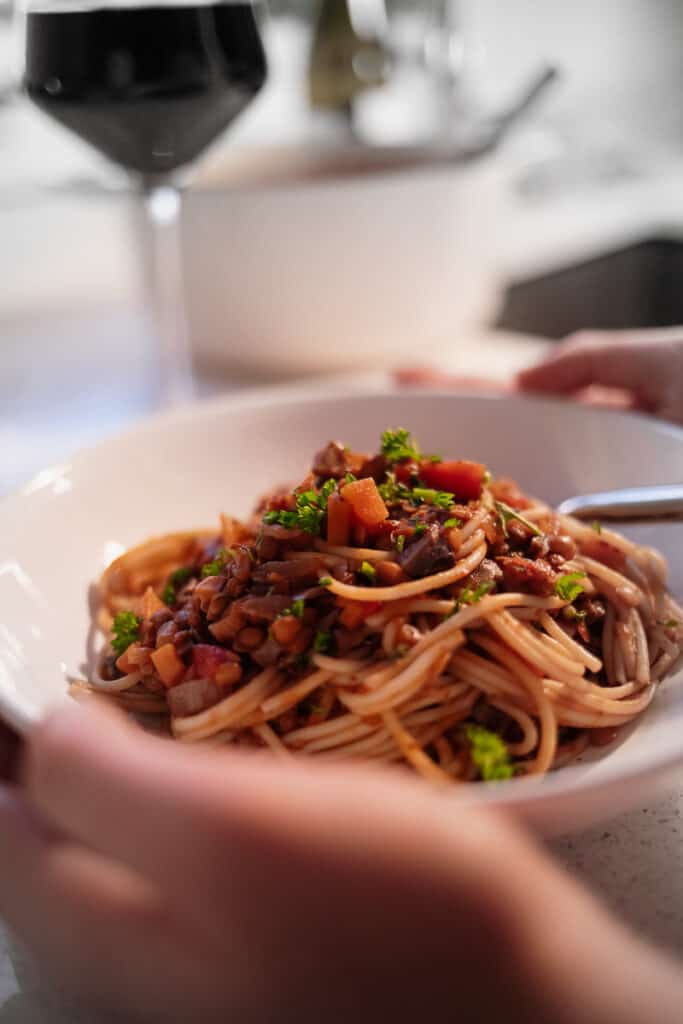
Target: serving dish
(182, 469)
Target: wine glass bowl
(149, 86)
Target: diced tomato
(355, 613)
(504, 489)
(463, 479)
(366, 501)
(405, 471)
(207, 659)
(339, 514)
(168, 665)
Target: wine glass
(149, 83)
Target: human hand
(646, 366)
(10, 746)
(181, 884)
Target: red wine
(148, 86)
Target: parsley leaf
(214, 568)
(469, 596)
(175, 580)
(568, 587)
(572, 615)
(322, 642)
(451, 524)
(311, 508)
(126, 630)
(420, 529)
(398, 445)
(440, 499)
(597, 526)
(368, 572)
(392, 491)
(506, 513)
(296, 609)
(489, 753)
(400, 543)
(325, 581)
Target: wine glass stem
(163, 203)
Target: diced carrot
(366, 501)
(123, 662)
(168, 665)
(463, 479)
(338, 520)
(356, 612)
(151, 603)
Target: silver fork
(632, 503)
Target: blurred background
(449, 182)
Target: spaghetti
(398, 608)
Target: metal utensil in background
(634, 504)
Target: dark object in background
(150, 87)
(639, 286)
(343, 63)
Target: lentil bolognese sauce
(395, 607)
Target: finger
(131, 796)
(572, 367)
(10, 746)
(84, 918)
(43, 877)
(426, 377)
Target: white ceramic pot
(326, 273)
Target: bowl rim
(518, 794)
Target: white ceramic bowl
(181, 470)
(329, 270)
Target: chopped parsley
(296, 609)
(597, 526)
(506, 513)
(670, 624)
(489, 754)
(469, 596)
(214, 568)
(311, 508)
(420, 529)
(400, 543)
(326, 581)
(368, 572)
(572, 614)
(350, 478)
(322, 642)
(568, 586)
(435, 458)
(398, 445)
(126, 630)
(392, 491)
(427, 496)
(176, 579)
(451, 524)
